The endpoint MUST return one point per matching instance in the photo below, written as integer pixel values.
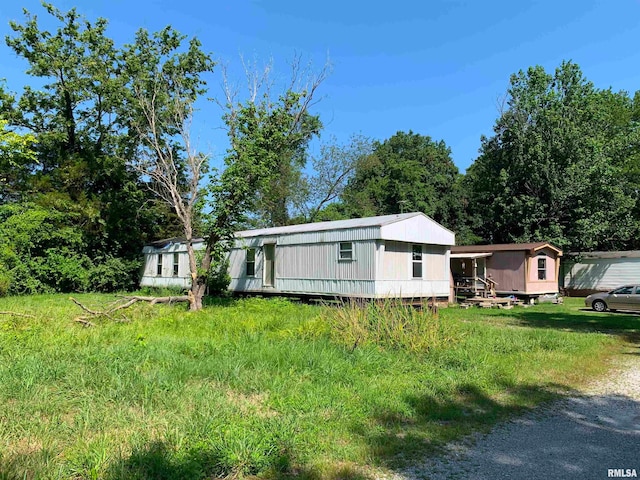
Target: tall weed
(388, 324)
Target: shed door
(269, 264)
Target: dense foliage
(562, 165)
(75, 213)
(406, 173)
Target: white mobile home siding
(395, 276)
(307, 258)
(150, 277)
(601, 271)
(309, 268)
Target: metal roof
(504, 247)
(616, 254)
(334, 225)
(470, 255)
(166, 241)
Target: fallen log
(92, 312)
(114, 307)
(84, 322)
(153, 300)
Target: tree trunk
(198, 280)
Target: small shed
(522, 269)
(404, 255)
(588, 272)
(166, 263)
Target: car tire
(599, 306)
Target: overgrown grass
(265, 387)
(387, 323)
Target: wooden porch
(491, 302)
(474, 287)
(470, 279)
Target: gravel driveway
(579, 437)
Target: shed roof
(531, 247)
(471, 255)
(333, 225)
(166, 241)
(616, 254)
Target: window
(623, 291)
(159, 265)
(416, 258)
(176, 264)
(542, 268)
(346, 251)
(251, 262)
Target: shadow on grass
(159, 461)
(402, 439)
(626, 325)
(576, 438)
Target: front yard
(266, 387)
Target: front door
(269, 264)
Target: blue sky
(434, 67)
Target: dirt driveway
(594, 435)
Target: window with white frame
(542, 268)
(416, 260)
(346, 251)
(176, 264)
(159, 265)
(251, 262)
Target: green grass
(267, 388)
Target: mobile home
(588, 272)
(166, 263)
(404, 255)
(525, 270)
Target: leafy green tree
(407, 172)
(264, 134)
(112, 134)
(278, 197)
(16, 153)
(259, 131)
(81, 140)
(554, 169)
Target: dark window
(416, 258)
(624, 291)
(542, 268)
(251, 262)
(346, 251)
(637, 290)
(159, 265)
(176, 264)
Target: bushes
(219, 279)
(66, 272)
(63, 271)
(5, 283)
(113, 275)
(44, 250)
